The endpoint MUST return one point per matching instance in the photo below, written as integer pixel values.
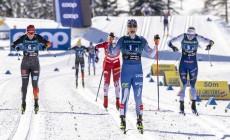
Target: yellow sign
(171, 78)
(162, 68)
(217, 89)
(1, 22)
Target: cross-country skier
(166, 15)
(132, 47)
(188, 62)
(30, 62)
(92, 57)
(80, 50)
(111, 66)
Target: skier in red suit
(111, 63)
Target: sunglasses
(30, 33)
(132, 26)
(190, 35)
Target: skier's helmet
(30, 29)
(79, 42)
(111, 34)
(191, 32)
(132, 23)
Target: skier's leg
(126, 80)
(193, 76)
(25, 72)
(183, 78)
(89, 61)
(116, 78)
(107, 73)
(137, 85)
(76, 74)
(82, 63)
(35, 72)
(94, 68)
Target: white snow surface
(67, 113)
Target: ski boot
(89, 72)
(83, 83)
(117, 103)
(182, 108)
(36, 106)
(76, 83)
(123, 124)
(105, 104)
(193, 106)
(23, 107)
(139, 124)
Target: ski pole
(102, 75)
(51, 53)
(157, 40)
(209, 59)
(69, 58)
(99, 84)
(18, 56)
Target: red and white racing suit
(111, 63)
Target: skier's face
(30, 35)
(190, 36)
(132, 29)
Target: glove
(44, 47)
(69, 48)
(175, 49)
(96, 59)
(17, 48)
(156, 39)
(208, 47)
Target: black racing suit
(30, 62)
(79, 60)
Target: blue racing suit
(188, 61)
(131, 71)
(91, 58)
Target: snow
(69, 113)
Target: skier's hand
(208, 47)
(156, 39)
(96, 59)
(69, 48)
(175, 49)
(17, 48)
(44, 47)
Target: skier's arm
(175, 39)
(102, 45)
(72, 48)
(18, 41)
(150, 52)
(115, 50)
(43, 40)
(204, 40)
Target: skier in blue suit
(132, 47)
(188, 63)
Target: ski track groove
(20, 116)
(204, 122)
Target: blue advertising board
(69, 13)
(60, 38)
